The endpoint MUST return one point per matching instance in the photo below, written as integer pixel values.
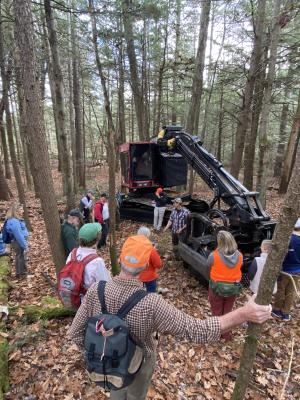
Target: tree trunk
(160, 82)
(111, 139)
(4, 146)
(245, 113)
(4, 189)
(249, 156)
(220, 127)
(78, 111)
(60, 106)
(291, 151)
(25, 42)
(6, 72)
(71, 106)
(139, 100)
(121, 102)
(174, 69)
(264, 151)
(22, 130)
(287, 218)
(282, 140)
(53, 99)
(197, 85)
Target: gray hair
(144, 231)
(266, 244)
(132, 271)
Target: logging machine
(163, 161)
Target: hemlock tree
(36, 136)
(111, 144)
(60, 106)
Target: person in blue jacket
(291, 266)
(16, 228)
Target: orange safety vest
(220, 272)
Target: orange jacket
(154, 263)
(220, 272)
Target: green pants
(139, 387)
(285, 295)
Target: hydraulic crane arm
(245, 204)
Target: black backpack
(112, 356)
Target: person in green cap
(95, 270)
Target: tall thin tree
(59, 105)
(28, 69)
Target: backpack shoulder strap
(73, 255)
(133, 300)
(101, 296)
(89, 258)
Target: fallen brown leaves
(44, 364)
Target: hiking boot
(286, 317)
(277, 314)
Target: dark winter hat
(76, 213)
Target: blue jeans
(151, 286)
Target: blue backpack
(6, 236)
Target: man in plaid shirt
(153, 314)
(178, 221)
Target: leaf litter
(44, 364)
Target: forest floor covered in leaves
(45, 364)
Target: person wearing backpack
(86, 205)
(83, 267)
(225, 265)
(15, 232)
(96, 331)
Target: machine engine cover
(173, 170)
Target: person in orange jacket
(149, 276)
(225, 265)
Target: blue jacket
(17, 228)
(291, 263)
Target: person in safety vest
(225, 275)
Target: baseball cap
(89, 232)
(177, 200)
(76, 213)
(297, 224)
(136, 252)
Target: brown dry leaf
(191, 353)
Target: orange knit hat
(136, 252)
(159, 190)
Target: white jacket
(260, 263)
(95, 270)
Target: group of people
(87, 212)
(139, 265)
(151, 315)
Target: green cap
(89, 232)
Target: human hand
(255, 312)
